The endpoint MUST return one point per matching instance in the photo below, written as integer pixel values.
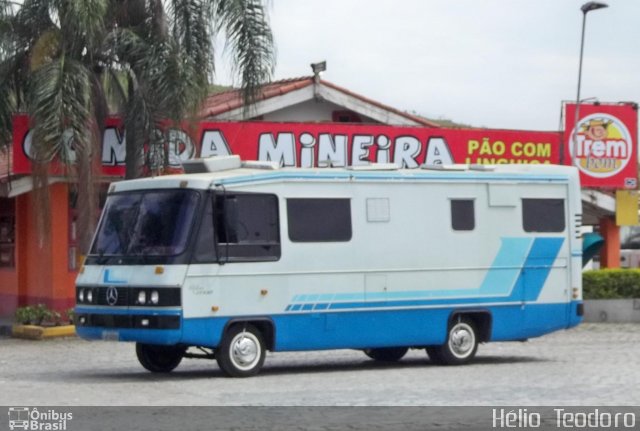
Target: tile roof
(227, 101)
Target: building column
(610, 254)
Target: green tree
(70, 63)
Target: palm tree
(64, 62)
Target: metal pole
(577, 116)
(587, 7)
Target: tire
(241, 352)
(159, 359)
(388, 354)
(461, 345)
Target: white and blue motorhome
(250, 257)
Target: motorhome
(241, 258)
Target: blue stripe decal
(538, 265)
(397, 175)
(506, 267)
(517, 274)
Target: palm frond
(8, 103)
(138, 124)
(82, 26)
(250, 42)
(60, 102)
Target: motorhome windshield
(149, 223)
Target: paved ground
(594, 364)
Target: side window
(205, 251)
(319, 220)
(239, 227)
(462, 214)
(543, 215)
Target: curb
(33, 332)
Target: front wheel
(241, 352)
(159, 359)
(388, 354)
(460, 347)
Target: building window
(319, 220)
(7, 233)
(242, 227)
(345, 117)
(543, 215)
(462, 214)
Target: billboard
(316, 144)
(603, 143)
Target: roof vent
(211, 164)
(259, 164)
(482, 167)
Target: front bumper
(147, 326)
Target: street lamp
(585, 8)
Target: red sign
(603, 144)
(320, 144)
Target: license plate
(110, 336)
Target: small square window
(462, 214)
(543, 215)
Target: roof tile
(229, 100)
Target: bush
(611, 284)
(71, 315)
(37, 315)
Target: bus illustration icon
(18, 418)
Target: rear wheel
(387, 354)
(159, 359)
(241, 352)
(460, 347)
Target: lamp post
(585, 8)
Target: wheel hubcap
(245, 351)
(461, 340)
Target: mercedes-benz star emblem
(112, 295)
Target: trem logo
(600, 145)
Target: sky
(505, 64)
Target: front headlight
(142, 297)
(81, 295)
(155, 297)
(90, 296)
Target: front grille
(127, 296)
(122, 298)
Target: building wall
(310, 111)
(41, 274)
